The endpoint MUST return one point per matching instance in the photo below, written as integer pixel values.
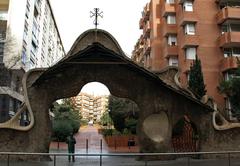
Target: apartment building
(89, 106)
(175, 32)
(29, 34)
(29, 38)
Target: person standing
(71, 141)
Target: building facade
(89, 106)
(29, 34)
(175, 32)
(29, 38)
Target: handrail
(118, 154)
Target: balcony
(181, 1)
(146, 12)
(147, 47)
(187, 17)
(146, 29)
(141, 23)
(229, 63)
(230, 39)
(169, 29)
(168, 9)
(189, 40)
(170, 51)
(227, 1)
(228, 13)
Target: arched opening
(107, 123)
(185, 136)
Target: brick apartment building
(176, 31)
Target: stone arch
(96, 56)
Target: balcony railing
(187, 17)
(147, 46)
(228, 13)
(146, 12)
(189, 40)
(141, 23)
(169, 29)
(229, 39)
(170, 51)
(229, 63)
(168, 9)
(147, 28)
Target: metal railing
(187, 155)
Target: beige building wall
(33, 33)
(89, 106)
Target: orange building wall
(207, 16)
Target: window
(228, 75)
(224, 29)
(24, 55)
(236, 52)
(191, 53)
(188, 6)
(227, 52)
(170, 1)
(172, 40)
(171, 19)
(189, 29)
(1, 51)
(173, 61)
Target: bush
(107, 132)
(131, 124)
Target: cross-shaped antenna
(95, 14)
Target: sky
(120, 18)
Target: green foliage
(196, 82)
(61, 130)
(124, 113)
(131, 124)
(232, 89)
(106, 119)
(66, 121)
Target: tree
(196, 82)
(11, 53)
(66, 121)
(231, 88)
(124, 114)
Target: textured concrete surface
(96, 56)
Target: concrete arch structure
(96, 56)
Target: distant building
(29, 38)
(89, 106)
(175, 32)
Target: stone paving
(91, 134)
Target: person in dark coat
(71, 141)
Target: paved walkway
(91, 134)
(126, 161)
